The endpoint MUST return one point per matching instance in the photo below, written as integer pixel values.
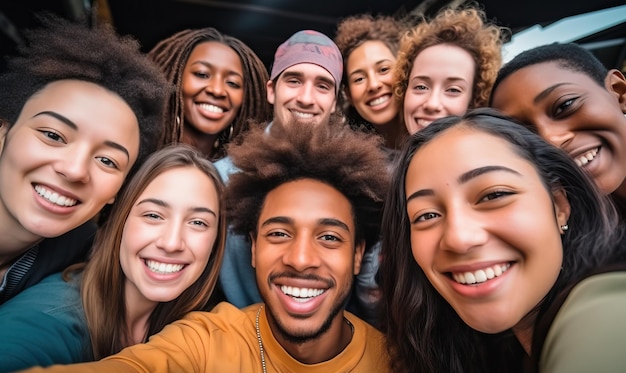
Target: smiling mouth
(585, 158)
(54, 197)
(301, 295)
(301, 115)
(211, 108)
(378, 101)
(163, 268)
(481, 275)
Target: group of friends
(390, 199)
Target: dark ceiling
(264, 24)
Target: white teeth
(211, 108)
(301, 294)
(480, 275)
(586, 157)
(423, 123)
(163, 268)
(55, 197)
(301, 115)
(379, 101)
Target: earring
(564, 227)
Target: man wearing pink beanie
(305, 78)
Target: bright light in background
(569, 29)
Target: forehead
(215, 52)
(444, 60)
(369, 52)
(308, 71)
(529, 81)
(183, 183)
(460, 149)
(307, 200)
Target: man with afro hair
(310, 198)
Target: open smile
(481, 275)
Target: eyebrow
(74, 127)
(450, 78)
(299, 74)
(464, 178)
(324, 221)
(362, 71)
(162, 203)
(546, 92)
(206, 64)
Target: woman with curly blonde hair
(447, 65)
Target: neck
(16, 240)
(393, 132)
(202, 141)
(138, 311)
(524, 330)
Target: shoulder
(224, 317)
(589, 332)
(225, 168)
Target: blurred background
(598, 25)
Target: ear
(346, 92)
(615, 83)
(562, 207)
(253, 249)
(110, 202)
(271, 95)
(358, 256)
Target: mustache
(301, 276)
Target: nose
(301, 254)
(433, 102)
(305, 94)
(463, 231)
(171, 238)
(215, 86)
(74, 165)
(555, 133)
(374, 83)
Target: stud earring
(564, 227)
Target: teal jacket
(44, 325)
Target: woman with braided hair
(219, 86)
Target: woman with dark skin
(219, 86)
(564, 93)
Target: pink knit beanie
(308, 46)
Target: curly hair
(466, 28)
(349, 161)
(62, 49)
(171, 56)
(355, 30)
(423, 330)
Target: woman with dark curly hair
(499, 255)
(220, 86)
(447, 65)
(82, 109)
(369, 45)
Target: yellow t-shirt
(225, 340)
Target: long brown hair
(102, 287)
